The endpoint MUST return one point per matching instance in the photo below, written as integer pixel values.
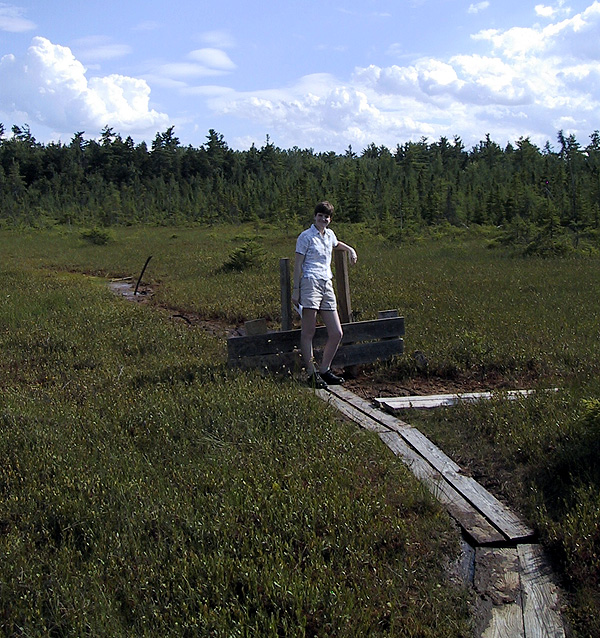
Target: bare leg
(309, 324)
(331, 320)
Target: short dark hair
(325, 208)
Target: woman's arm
(351, 252)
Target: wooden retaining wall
(363, 342)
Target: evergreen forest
(113, 181)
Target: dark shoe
(315, 381)
(331, 379)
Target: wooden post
(286, 294)
(141, 275)
(343, 285)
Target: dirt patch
(370, 386)
(216, 327)
(145, 293)
(126, 287)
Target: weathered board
(392, 422)
(363, 342)
(497, 583)
(495, 511)
(347, 355)
(395, 404)
(499, 516)
(540, 595)
(392, 404)
(351, 412)
(285, 340)
(474, 525)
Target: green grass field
(147, 490)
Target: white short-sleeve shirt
(317, 250)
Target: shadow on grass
(187, 374)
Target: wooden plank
(495, 511)
(506, 622)
(433, 401)
(351, 412)
(287, 340)
(411, 403)
(365, 406)
(497, 583)
(482, 500)
(471, 521)
(497, 574)
(347, 355)
(517, 598)
(361, 353)
(488, 505)
(540, 595)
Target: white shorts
(317, 294)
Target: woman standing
(313, 292)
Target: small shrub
(547, 246)
(97, 236)
(249, 255)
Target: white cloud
(478, 7)
(50, 85)
(530, 79)
(573, 37)
(185, 70)
(219, 39)
(515, 42)
(98, 48)
(546, 11)
(212, 59)
(320, 112)
(12, 20)
(207, 62)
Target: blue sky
(317, 74)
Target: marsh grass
(145, 477)
(147, 491)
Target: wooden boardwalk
(516, 594)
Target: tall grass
(166, 426)
(147, 491)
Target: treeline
(112, 180)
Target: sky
(318, 74)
